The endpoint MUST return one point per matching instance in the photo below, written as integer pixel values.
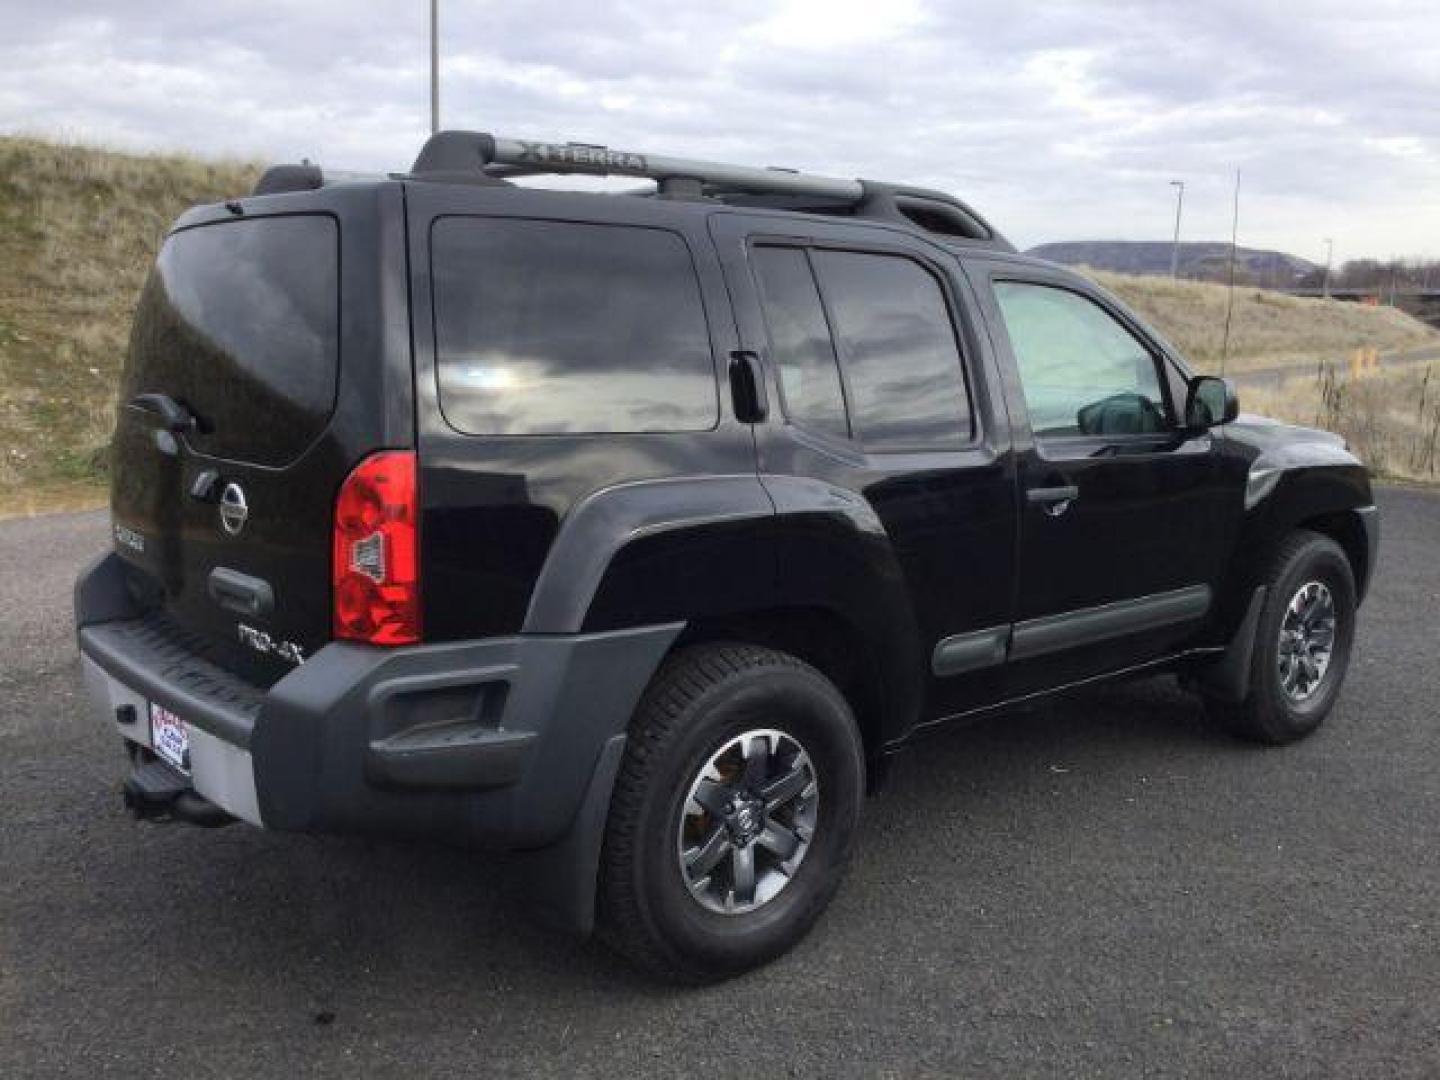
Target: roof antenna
(1230, 297)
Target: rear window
(547, 328)
(239, 321)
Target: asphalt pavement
(1102, 886)
(1276, 377)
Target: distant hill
(1201, 261)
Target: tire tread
(1254, 719)
(682, 681)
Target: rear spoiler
(306, 177)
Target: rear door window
(800, 340)
(547, 328)
(240, 322)
(898, 350)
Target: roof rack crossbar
(516, 157)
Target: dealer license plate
(169, 737)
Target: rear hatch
(257, 377)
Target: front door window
(1083, 373)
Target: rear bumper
(219, 770)
(494, 742)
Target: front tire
(1303, 643)
(733, 815)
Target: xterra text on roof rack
(637, 532)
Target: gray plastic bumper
(494, 742)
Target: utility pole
(434, 66)
(1179, 186)
(1329, 251)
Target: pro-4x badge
(233, 509)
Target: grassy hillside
(1267, 329)
(1391, 418)
(79, 228)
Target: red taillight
(376, 562)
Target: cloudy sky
(1062, 120)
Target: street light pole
(1179, 186)
(1329, 251)
(434, 66)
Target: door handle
(747, 387)
(172, 416)
(1054, 500)
(240, 593)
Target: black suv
(638, 531)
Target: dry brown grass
(79, 228)
(1267, 329)
(1390, 418)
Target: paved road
(1100, 888)
(1276, 377)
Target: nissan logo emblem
(233, 509)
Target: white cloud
(1405, 147)
(825, 25)
(1058, 119)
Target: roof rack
(479, 157)
(474, 157)
(455, 151)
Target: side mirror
(1212, 401)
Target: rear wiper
(172, 415)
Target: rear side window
(240, 321)
(897, 347)
(800, 340)
(547, 328)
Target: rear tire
(1298, 667)
(695, 893)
